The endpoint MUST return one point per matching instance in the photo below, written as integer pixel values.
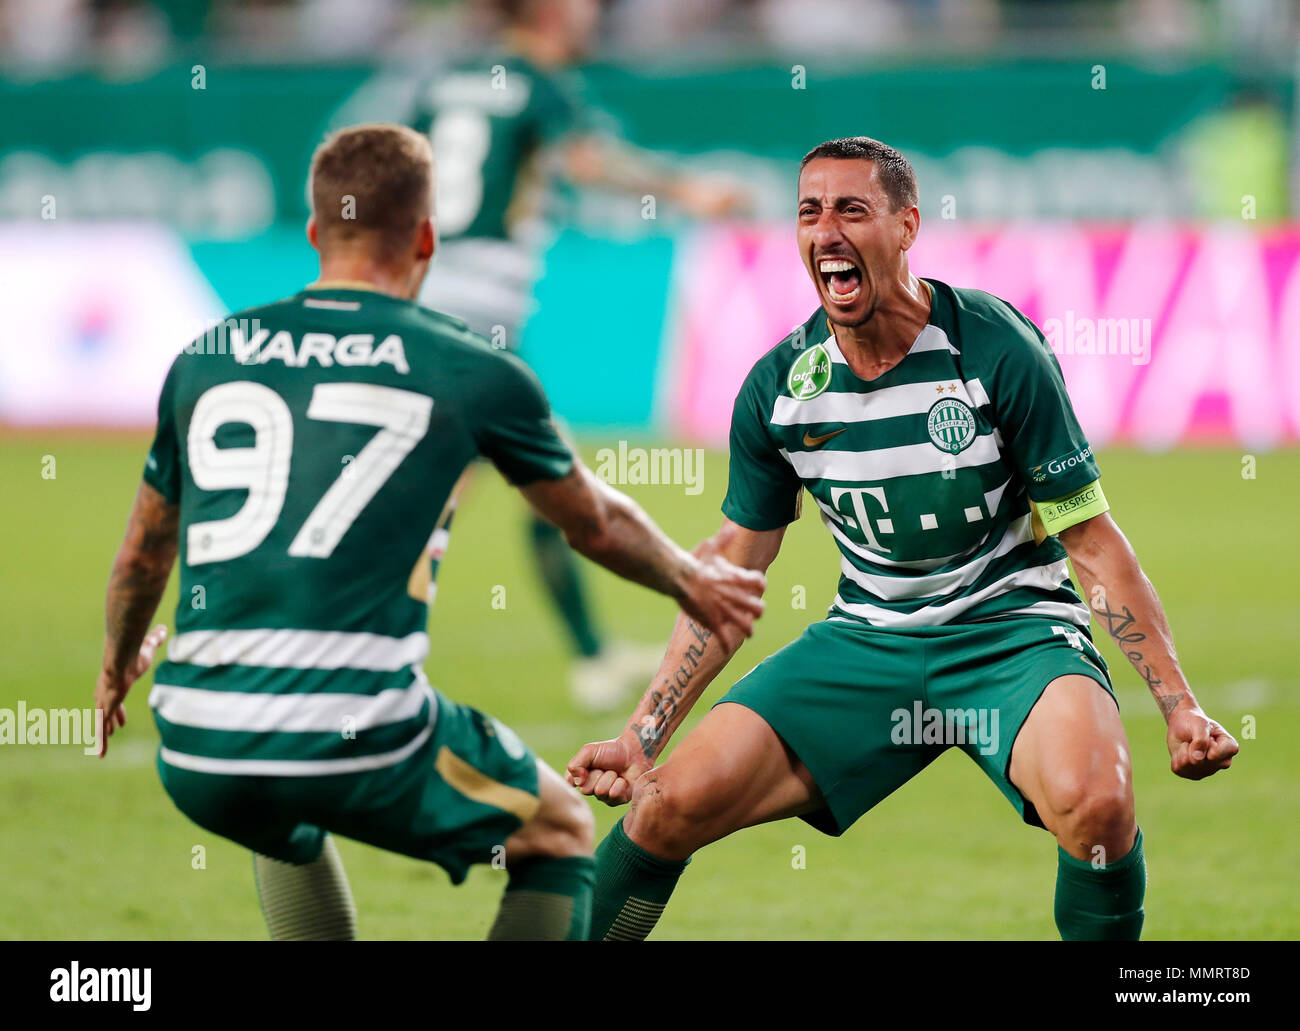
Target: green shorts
(866, 709)
(453, 802)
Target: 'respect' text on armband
(1065, 512)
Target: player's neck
(880, 343)
(359, 273)
(540, 48)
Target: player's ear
(427, 240)
(911, 226)
(311, 232)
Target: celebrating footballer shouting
(931, 425)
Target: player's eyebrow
(839, 202)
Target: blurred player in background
(503, 124)
(932, 428)
(297, 473)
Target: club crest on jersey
(951, 424)
(811, 374)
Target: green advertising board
(221, 150)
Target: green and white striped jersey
(924, 475)
(489, 118)
(311, 446)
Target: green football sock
(559, 568)
(546, 900)
(308, 902)
(632, 888)
(1101, 904)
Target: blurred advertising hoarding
(93, 316)
(1165, 333)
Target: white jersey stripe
(1045, 578)
(886, 403)
(931, 338)
(294, 767)
(908, 588)
(867, 555)
(317, 712)
(320, 302)
(1076, 614)
(299, 649)
(993, 498)
(890, 462)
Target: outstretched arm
(609, 769)
(140, 573)
(1125, 603)
(594, 159)
(610, 528)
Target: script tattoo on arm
(1120, 627)
(139, 577)
(655, 724)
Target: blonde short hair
(371, 182)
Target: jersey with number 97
(311, 445)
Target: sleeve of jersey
(762, 488)
(517, 434)
(558, 112)
(162, 469)
(1040, 431)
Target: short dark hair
(896, 173)
(514, 11)
(372, 181)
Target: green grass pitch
(95, 850)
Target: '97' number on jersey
(263, 468)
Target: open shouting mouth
(843, 279)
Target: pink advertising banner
(1167, 334)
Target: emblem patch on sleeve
(811, 374)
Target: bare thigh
(732, 771)
(1071, 760)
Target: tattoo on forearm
(133, 596)
(654, 725)
(1169, 702)
(139, 578)
(1119, 626)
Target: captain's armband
(1062, 513)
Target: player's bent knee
(1103, 815)
(671, 818)
(562, 827)
(1089, 813)
(576, 826)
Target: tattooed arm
(1125, 605)
(609, 769)
(594, 159)
(608, 527)
(140, 573)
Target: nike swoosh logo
(811, 441)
